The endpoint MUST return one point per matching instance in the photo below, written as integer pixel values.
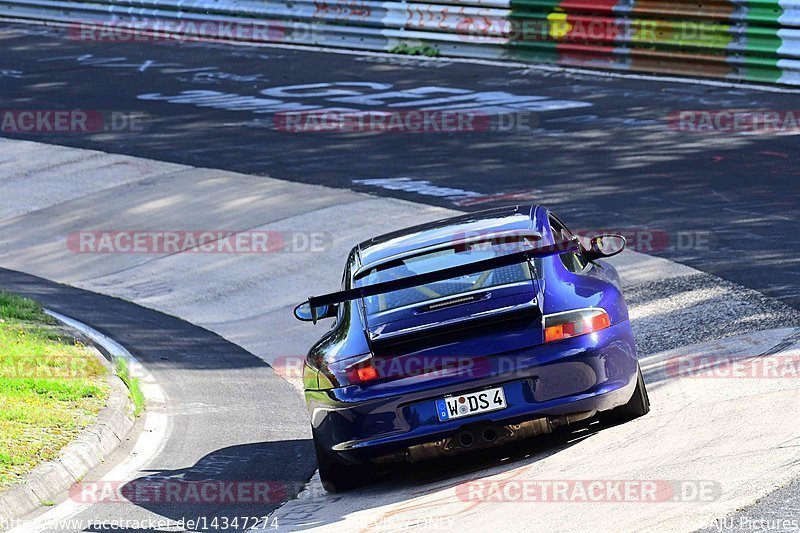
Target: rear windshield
(438, 260)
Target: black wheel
(337, 476)
(638, 405)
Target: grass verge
(418, 50)
(51, 387)
(134, 389)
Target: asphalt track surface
(627, 169)
(599, 150)
(696, 429)
(231, 418)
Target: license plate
(471, 404)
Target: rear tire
(340, 477)
(638, 405)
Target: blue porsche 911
(466, 333)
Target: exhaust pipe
(565, 420)
(466, 439)
(489, 435)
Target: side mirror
(605, 246)
(303, 312)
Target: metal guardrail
(738, 40)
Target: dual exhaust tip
(483, 436)
(467, 438)
(538, 426)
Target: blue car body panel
(592, 372)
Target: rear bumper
(594, 372)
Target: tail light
(367, 369)
(574, 323)
(362, 372)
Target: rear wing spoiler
(570, 245)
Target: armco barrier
(738, 40)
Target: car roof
(402, 242)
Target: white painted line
(149, 444)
